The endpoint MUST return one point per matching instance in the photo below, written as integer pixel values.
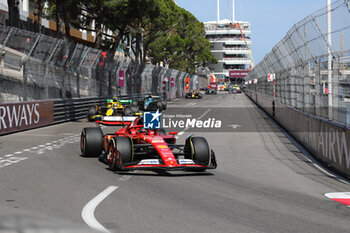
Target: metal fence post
(79, 69)
(23, 68)
(12, 31)
(318, 89)
(47, 69)
(90, 80)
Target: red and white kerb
(343, 198)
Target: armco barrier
(327, 141)
(74, 109)
(16, 117)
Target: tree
(62, 17)
(168, 33)
(159, 26)
(13, 13)
(38, 12)
(58, 9)
(183, 47)
(85, 13)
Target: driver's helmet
(115, 105)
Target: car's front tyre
(119, 153)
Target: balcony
(230, 40)
(236, 61)
(227, 31)
(231, 51)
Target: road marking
(11, 160)
(342, 197)
(308, 156)
(125, 178)
(44, 135)
(205, 113)
(88, 211)
(6, 160)
(234, 126)
(187, 128)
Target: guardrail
(19, 116)
(74, 109)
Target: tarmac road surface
(263, 183)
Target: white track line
(88, 211)
(205, 113)
(309, 157)
(187, 128)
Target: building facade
(230, 41)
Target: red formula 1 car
(135, 147)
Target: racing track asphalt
(263, 183)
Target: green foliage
(167, 32)
(184, 47)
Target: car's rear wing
(116, 120)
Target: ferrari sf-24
(134, 147)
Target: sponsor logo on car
(148, 162)
(118, 118)
(186, 161)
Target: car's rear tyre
(197, 148)
(141, 105)
(159, 106)
(91, 142)
(119, 153)
(91, 112)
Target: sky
(270, 20)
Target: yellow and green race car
(113, 107)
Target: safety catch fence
(38, 67)
(311, 65)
